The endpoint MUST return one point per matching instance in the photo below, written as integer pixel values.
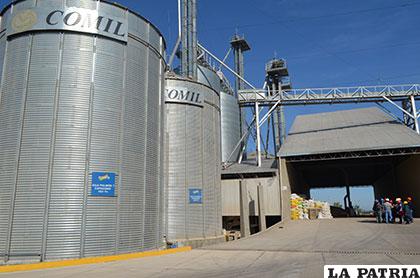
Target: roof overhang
(348, 134)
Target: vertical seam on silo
(3, 70)
(52, 148)
(167, 190)
(23, 111)
(160, 162)
(146, 93)
(218, 154)
(186, 191)
(122, 119)
(1, 93)
(202, 169)
(214, 155)
(1, 90)
(88, 143)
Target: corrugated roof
(347, 131)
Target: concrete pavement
(299, 249)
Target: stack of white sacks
(325, 212)
(300, 206)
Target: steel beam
(354, 155)
(258, 141)
(225, 66)
(416, 119)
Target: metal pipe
(396, 105)
(184, 39)
(225, 58)
(257, 119)
(171, 59)
(179, 19)
(194, 47)
(190, 39)
(226, 66)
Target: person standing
(388, 211)
(399, 212)
(382, 202)
(393, 211)
(377, 209)
(407, 212)
(411, 206)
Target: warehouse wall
(230, 196)
(290, 182)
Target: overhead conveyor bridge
(329, 95)
(258, 98)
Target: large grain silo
(193, 149)
(81, 130)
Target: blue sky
(326, 43)
(362, 196)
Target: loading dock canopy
(249, 169)
(366, 132)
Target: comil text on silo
(93, 21)
(85, 20)
(183, 95)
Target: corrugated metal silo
(209, 77)
(230, 113)
(81, 131)
(193, 142)
(230, 127)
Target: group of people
(387, 211)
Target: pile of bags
(325, 212)
(300, 208)
(296, 207)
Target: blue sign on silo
(103, 184)
(196, 196)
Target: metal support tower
(277, 80)
(240, 45)
(189, 48)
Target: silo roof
(347, 131)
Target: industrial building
(351, 148)
(107, 146)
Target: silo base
(200, 242)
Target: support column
(414, 109)
(261, 209)
(240, 45)
(285, 190)
(257, 124)
(243, 195)
(184, 39)
(189, 38)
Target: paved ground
(299, 249)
